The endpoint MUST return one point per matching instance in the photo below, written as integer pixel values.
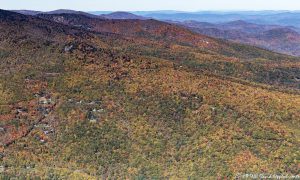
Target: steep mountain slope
(88, 103)
(177, 43)
(276, 38)
(237, 31)
(156, 30)
(142, 28)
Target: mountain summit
(122, 15)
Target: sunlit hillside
(87, 98)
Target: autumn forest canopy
(124, 96)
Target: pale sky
(147, 5)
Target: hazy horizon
(162, 10)
(153, 5)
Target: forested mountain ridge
(281, 38)
(154, 101)
(165, 35)
(273, 37)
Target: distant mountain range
(284, 18)
(122, 15)
(273, 37)
(106, 15)
(140, 13)
(27, 12)
(273, 30)
(67, 11)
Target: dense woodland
(141, 99)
